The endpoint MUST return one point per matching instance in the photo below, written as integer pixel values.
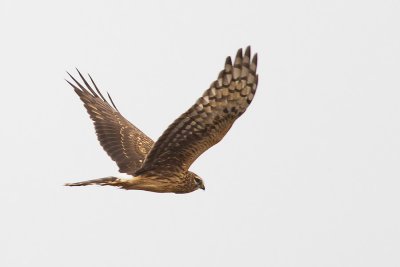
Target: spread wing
(122, 141)
(208, 120)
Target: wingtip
(112, 102)
(255, 59)
(78, 70)
(76, 89)
(68, 82)
(228, 61)
(248, 51)
(239, 53)
(69, 74)
(80, 74)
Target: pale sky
(308, 176)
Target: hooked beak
(202, 187)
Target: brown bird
(163, 166)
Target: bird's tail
(113, 181)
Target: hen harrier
(163, 166)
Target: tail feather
(101, 181)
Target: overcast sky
(308, 176)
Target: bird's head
(197, 180)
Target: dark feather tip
(73, 86)
(239, 53)
(228, 61)
(77, 83)
(248, 51)
(69, 74)
(97, 89)
(112, 102)
(255, 59)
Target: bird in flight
(163, 166)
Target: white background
(308, 176)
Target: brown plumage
(163, 166)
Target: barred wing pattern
(122, 141)
(208, 120)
